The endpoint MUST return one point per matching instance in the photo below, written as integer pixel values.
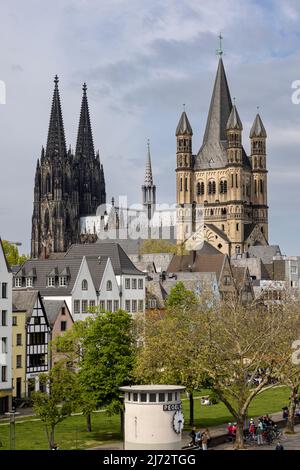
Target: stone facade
(230, 186)
(67, 186)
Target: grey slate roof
(184, 127)
(97, 268)
(53, 309)
(212, 153)
(45, 267)
(152, 262)
(265, 253)
(234, 121)
(120, 261)
(23, 300)
(258, 129)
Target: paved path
(289, 442)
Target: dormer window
(18, 282)
(29, 282)
(62, 281)
(51, 281)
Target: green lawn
(71, 433)
(268, 402)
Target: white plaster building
(88, 276)
(5, 333)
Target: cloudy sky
(141, 60)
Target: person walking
(193, 436)
(260, 430)
(204, 439)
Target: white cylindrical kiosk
(153, 417)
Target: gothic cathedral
(67, 186)
(230, 185)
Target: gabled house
(207, 260)
(60, 321)
(35, 358)
(86, 278)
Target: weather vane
(220, 50)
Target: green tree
(227, 344)
(157, 246)
(56, 403)
(290, 372)
(102, 350)
(164, 353)
(12, 254)
(181, 298)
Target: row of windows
(132, 283)
(211, 186)
(152, 397)
(37, 338)
(36, 360)
(109, 305)
(63, 282)
(85, 305)
(134, 306)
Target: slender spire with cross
(148, 172)
(220, 50)
(149, 188)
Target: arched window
(200, 188)
(84, 285)
(212, 187)
(109, 285)
(223, 186)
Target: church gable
(256, 237)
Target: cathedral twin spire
(85, 144)
(67, 187)
(56, 143)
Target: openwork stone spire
(148, 171)
(85, 144)
(56, 143)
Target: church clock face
(178, 422)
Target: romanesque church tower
(230, 185)
(66, 186)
